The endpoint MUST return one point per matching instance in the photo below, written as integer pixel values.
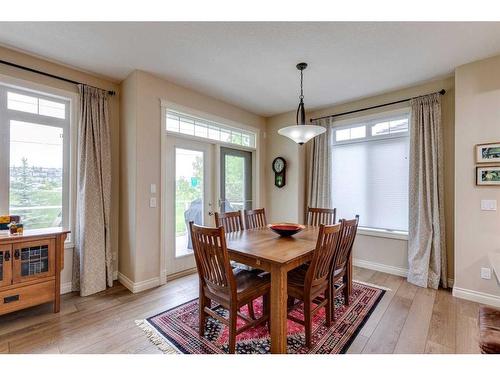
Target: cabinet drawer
(31, 295)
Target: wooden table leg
(278, 309)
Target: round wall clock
(279, 168)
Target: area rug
(176, 330)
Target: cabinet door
(5, 265)
(33, 260)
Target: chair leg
(308, 321)
(267, 310)
(251, 311)
(328, 308)
(346, 291)
(332, 302)
(202, 314)
(233, 314)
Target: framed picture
(488, 153)
(488, 175)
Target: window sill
(396, 235)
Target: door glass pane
(188, 196)
(234, 183)
(34, 260)
(236, 180)
(36, 174)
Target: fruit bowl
(286, 229)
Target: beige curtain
(92, 269)
(319, 192)
(426, 245)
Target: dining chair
(229, 288)
(339, 275)
(232, 222)
(255, 218)
(308, 283)
(317, 216)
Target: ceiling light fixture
(301, 133)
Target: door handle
(211, 213)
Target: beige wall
(141, 150)
(76, 75)
(378, 252)
(476, 232)
(286, 203)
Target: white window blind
(185, 124)
(370, 172)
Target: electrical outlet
(485, 273)
(152, 202)
(153, 188)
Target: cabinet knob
(17, 254)
(7, 256)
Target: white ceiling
(252, 65)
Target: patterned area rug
(176, 330)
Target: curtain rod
(442, 92)
(47, 74)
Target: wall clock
(279, 168)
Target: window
(185, 124)
(34, 157)
(370, 171)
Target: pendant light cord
(301, 97)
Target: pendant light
(301, 133)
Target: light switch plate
(488, 204)
(153, 188)
(485, 273)
(152, 202)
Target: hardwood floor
(408, 319)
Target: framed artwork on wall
(488, 175)
(488, 153)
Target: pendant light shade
(301, 133)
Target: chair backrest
(231, 221)
(321, 264)
(212, 258)
(255, 218)
(317, 216)
(344, 248)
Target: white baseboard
(403, 272)
(139, 286)
(67, 287)
(381, 267)
(480, 297)
(178, 275)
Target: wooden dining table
(262, 248)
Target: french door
(189, 197)
(192, 170)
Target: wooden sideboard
(30, 269)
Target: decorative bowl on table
(286, 229)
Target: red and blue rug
(176, 330)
